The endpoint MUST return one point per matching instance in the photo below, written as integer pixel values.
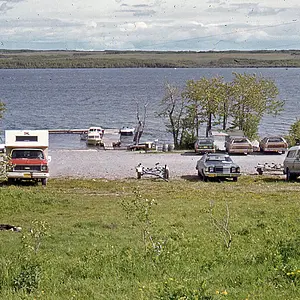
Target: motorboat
(94, 138)
(93, 129)
(126, 131)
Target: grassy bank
(99, 239)
(139, 59)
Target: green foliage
(89, 244)
(253, 97)
(241, 103)
(294, 134)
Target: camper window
(26, 138)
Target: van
(291, 164)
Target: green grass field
(101, 239)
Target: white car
(291, 164)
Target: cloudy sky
(196, 25)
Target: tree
(240, 104)
(204, 97)
(253, 97)
(294, 134)
(173, 111)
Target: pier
(62, 131)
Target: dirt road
(116, 164)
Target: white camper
(28, 153)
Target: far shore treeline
(30, 59)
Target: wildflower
(224, 292)
(217, 292)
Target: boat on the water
(126, 131)
(93, 129)
(94, 138)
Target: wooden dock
(63, 131)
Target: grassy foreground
(99, 239)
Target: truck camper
(28, 155)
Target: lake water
(80, 98)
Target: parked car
(273, 144)
(235, 144)
(291, 164)
(204, 144)
(217, 165)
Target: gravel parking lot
(118, 164)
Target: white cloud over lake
(194, 25)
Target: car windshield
(219, 158)
(30, 154)
(205, 141)
(275, 140)
(240, 141)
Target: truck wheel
(44, 181)
(235, 179)
(138, 175)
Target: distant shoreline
(30, 59)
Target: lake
(80, 98)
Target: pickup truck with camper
(27, 151)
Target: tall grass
(99, 239)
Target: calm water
(80, 98)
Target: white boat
(126, 131)
(93, 129)
(94, 138)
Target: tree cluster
(207, 102)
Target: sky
(165, 25)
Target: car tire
(235, 179)
(205, 178)
(44, 181)
(290, 176)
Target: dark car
(205, 144)
(213, 165)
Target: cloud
(265, 11)
(8, 4)
(133, 26)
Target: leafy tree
(240, 103)
(294, 134)
(173, 111)
(204, 97)
(253, 97)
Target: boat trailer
(269, 168)
(159, 171)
